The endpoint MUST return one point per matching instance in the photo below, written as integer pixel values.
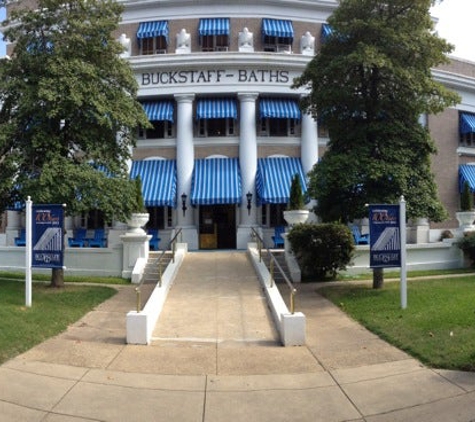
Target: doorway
(218, 226)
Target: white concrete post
(309, 142)
(185, 155)
(248, 164)
(28, 250)
(185, 160)
(248, 154)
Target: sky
(455, 23)
(455, 20)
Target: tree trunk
(378, 278)
(57, 277)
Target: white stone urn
(296, 216)
(466, 219)
(137, 221)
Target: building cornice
(454, 81)
(302, 10)
(231, 60)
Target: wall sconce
(249, 199)
(183, 203)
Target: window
(277, 35)
(216, 127)
(155, 45)
(273, 215)
(467, 129)
(215, 43)
(153, 37)
(216, 116)
(278, 44)
(162, 129)
(467, 139)
(214, 34)
(160, 217)
(280, 127)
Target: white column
(248, 164)
(185, 158)
(309, 142)
(185, 155)
(248, 155)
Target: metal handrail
(158, 262)
(273, 263)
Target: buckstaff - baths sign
(183, 77)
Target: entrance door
(218, 226)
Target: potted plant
(296, 212)
(140, 217)
(466, 215)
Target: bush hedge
(467, 244)
(322, 249)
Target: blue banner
(47, 236)
(385, 236)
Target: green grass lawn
(437, 327)
(7, 275)
(52, 311)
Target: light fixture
(183, 203)
(249, 200)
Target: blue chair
(155, 240)
(277, 238)
(360, 239)
(79, 239)
(21, 240)
(99, 240)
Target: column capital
(184, 98)
(247, 96)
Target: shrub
(322, 249)
(296, 199)
(466, 198)
(467, 244)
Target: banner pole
(402, 227)
(28, 251)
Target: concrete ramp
(216, 299)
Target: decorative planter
(296, 216)
(136, 222)
(466, 219)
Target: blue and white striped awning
(159, 110)
(216, 181)
(215, 26)
(153, 29)
(467, 174)
(216, 108)
(327, 30)
(277, 28)
(274, 177)
(279, 108)
(158, 181)
(467, 123)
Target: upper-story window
(467, 129)
(279, 117)
(161, 116)
(214, 34)
(216, 117)
(277, 35)
(153, 37)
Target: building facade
(215, 80)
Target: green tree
(369, 85)
(296, 198)
(69, 113)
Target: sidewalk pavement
(215, 357)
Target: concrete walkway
(215, 357)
